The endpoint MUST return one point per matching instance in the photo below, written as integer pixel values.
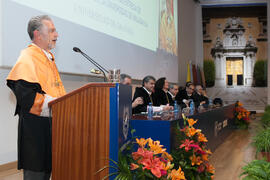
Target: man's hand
(45, 108)
(167, 108)
(203, 102)
(137, 101)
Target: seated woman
(161, 95)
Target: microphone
(102, 69)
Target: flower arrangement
(242, 119)
(191, 153)
(149, 162)
(152, 161)
(189, 160)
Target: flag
(194, 74)
(203, 78)
(199, 77)
(188, 73)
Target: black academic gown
(182, 94)
(34, 132)
(141, 92)
(198, 98)
(162, 98)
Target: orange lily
(195, 160)
(208, 151)
(239, 116)
(155, 165)
(177, 174)
(142, 142)
(205, 157)
(202, 138)
(166, 155)
(167, 166)
(239, 103)
(210, 168)
(192, 131)
(155, 146)
(142, 154)
(133, 166)
(191, 122)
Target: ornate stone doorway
(234, 71)
(234, 55)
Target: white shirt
(173, 97)
(49, 56)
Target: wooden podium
(88, 127)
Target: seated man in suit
(126, 80)
(200, 96)
(145, 92)
(184, 96)
(173, 90)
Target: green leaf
(257, 169)
(109, 175)
(105, 167)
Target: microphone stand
(102, 69)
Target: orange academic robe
(33, 66)
(32, 76)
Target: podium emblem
(126, 115)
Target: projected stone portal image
(234, 43)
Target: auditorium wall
(190, 37)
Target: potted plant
(242, 119)
(209, 72)
(149, 162)
(191, 152)
(257, 169)
(262, 142)
(265, 120)
(260, 73)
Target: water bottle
(210, 103)
(191, 106)
(150, 111)
(175, 107)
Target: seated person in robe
(161, 95)
(173, 90)
(200, 96)
(185, 95)
(218, 102)
(126, 80)
(146, 93)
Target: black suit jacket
(182, 94)
(199, 98)
(162, 98)
(141, 92)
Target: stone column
(219, 81)
(247, 71)
(249, 67)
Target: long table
(216, 124)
